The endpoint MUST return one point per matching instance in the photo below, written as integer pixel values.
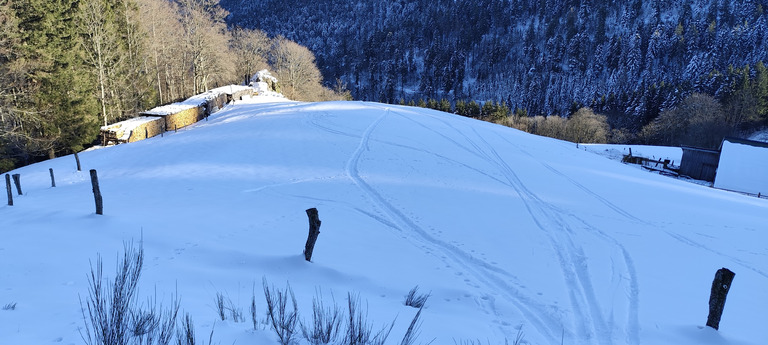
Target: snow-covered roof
(743, 166)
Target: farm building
(131, 130)
(699, 163)
(743, 166)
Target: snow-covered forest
(628, 59)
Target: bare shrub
(112, 314)
(185, 335)
(254, 318)
(235, 312)
(415, 299)
(10, 306)
(282, 320)
(154, 324)
(107, 311)
(414, 329)
(359, 331)
(584, 126)
(220, 306)
(326, 322)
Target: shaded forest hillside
(628, 59)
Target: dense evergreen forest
(628, 59)
(69, 66)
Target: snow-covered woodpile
(172, 116)
(135, 129)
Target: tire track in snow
(531, 309)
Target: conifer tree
(63, 87)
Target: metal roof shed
(699, 163)
(743, 166)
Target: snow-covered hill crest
(505, 229)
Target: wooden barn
(699, 163)
(743, 166)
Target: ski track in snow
(575, 274)
(532, 310)
(556, 224)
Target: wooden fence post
(314, 231)
(720, 287)
(96, 192)
(8, 188)
(53, 180)
(17, 182)
(77, 159)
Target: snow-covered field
(503, 228)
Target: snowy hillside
(504, 229)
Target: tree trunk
(720, 287)
(53, 180)
(77, 159)
(314, 231)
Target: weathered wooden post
(8, 188)
(720, 287)
(314, 231)
(53, 180)
(17, 182)
(77, 159)
(97, 192)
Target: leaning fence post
(720, 286)
(53, 180)
(17, 182)
(8, 188)
(77, 159)
(96, 192)
(314, 231)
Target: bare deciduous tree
(295, 67)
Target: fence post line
(53, 180)
(720, 287)
(77, 159)
(314, 231)
(97, 192)
(8, 188)
(17, 182)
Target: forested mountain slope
(621, 57)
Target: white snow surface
(503, 228)
(743, 168)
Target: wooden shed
(743, 166)
(699, 163)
